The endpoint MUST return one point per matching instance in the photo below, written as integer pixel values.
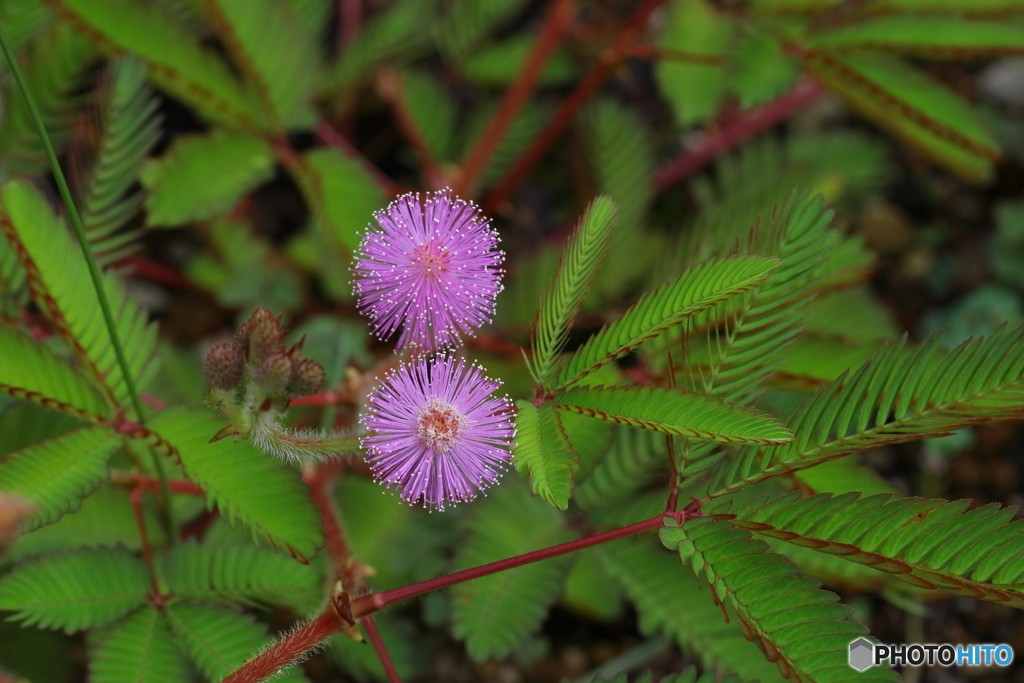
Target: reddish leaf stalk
(350, 16)
(321, 480)
(567, 111)
(147, 552)
(389, 87)
(752, 122)
(312, 634)
(556, 22)
(289, 649)
(382, 653)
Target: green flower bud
(224, 366)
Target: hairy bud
(308, 378)
(260, 334)
(275, 372)
(224, 366)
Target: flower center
(440, 426)
(431, 260)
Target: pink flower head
(432, 268)
(437, 433)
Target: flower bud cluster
(256, 372)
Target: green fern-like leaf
(621, 155)
(30, 371)
(178, 64)
(75, 590)
(131, 128)
(930, 544)
(670, 601)
(139, 648)
(57, 271)
(241, 574)
(433, 110)
(695, 290)
(894, 397)
(204, 176)
(674, 412)
(268, 499)
(630, 458)
(219, 639)
(56, 474)
(804, 629)
(56, 64)
(544, 453)
(936, 37)
(271, 48)
(913, 107)
(560, 304)
(508, 522)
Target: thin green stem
(94, 269)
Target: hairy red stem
(556, 22)
(327, 624)
(289, 649)
(750, 123)
(382, 653)
(567, 111)
(371, 603)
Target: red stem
(289, 649)
(328, 623)
(147, 553)
(382, 653)
(375, 601)
(320, 480)
(567, 111)
(750, 123)
(327, 135)
(350, 14)
(556, 22)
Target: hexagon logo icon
(862, 654)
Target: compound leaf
(32, 372)
(204, 176)
(698, 289)
(178, 63)
(913, 107)
(936, 37)
(899, 395)
(341, 192)
(139, 648)
(57, 473)
(131, 127)
(544, 453)
(242, 574)
(675, 412)
(803, 629)
(57, 271)
(562, 301)
(247, 487)
(75, 590)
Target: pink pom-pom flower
(432, 268)
(437, 434)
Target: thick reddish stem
(567, 111)
(327, 398)
(382, 653)
(371, 603)
(289, 649)
(556, 22)
(350, 15)
(327, 135)
(750, 123)
(320, 480)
